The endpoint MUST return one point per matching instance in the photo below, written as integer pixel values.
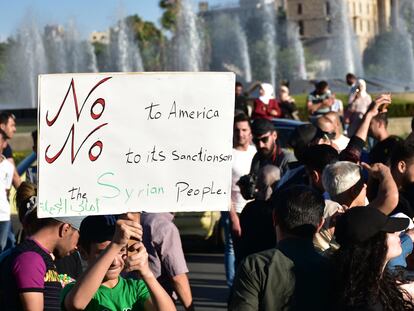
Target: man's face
(408, 174)
(67, 243)
(350, 81)
(239, 90)
(242, 134)
(9, 127)
(265, 143)
(117, 264)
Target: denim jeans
(4, 234)
(228, 248)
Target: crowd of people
(323, 223)
(326, 222)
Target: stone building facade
(317, 19)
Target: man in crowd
(292, 276)
(382, 150)
(243, 153)
(8, 125)
(352, 82)
(345, 185)
(268, 150)
(240, 100)
(319, 101)
(6, 176)
(402, 169)
(28, 276)
(165, 255)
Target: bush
(20, 155)
(402, 104)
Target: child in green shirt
(103, 244)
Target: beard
(264, 152)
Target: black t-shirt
(70, 265)
(241, 104)
(8, 152)
(9, 292)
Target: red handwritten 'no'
(95, 116)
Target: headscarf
(268, 93)
(362, 86)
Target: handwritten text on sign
(111, 143)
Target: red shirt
(262, 111)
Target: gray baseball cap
(74, 221)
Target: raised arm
(387, 196)
(373, 110)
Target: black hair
(383, 118)
(298, 209)
(96, 229)
(239, 84)
(402, 151)
(241, 117)
(316, 157)
(321, 85)
(361, 280)
(34, 137)
(27, 211)
(350, 76)
(4, 135)
(412, 124)
(5, 116)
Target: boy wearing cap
(28, 276)
(103, 244)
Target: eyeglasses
(264, 139)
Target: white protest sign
(156, 142)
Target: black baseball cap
(361, 223)
(261, 127)
(97, 229)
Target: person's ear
(402, 167)
(315, 176)
(274, 134)
(64, 229)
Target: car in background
(206, 225)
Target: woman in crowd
(369, 240)
(266, 106)
(358, 106)
(287, 104)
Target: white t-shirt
(6, 177)
(341, 142)
(242, 160)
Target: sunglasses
(264, 140)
